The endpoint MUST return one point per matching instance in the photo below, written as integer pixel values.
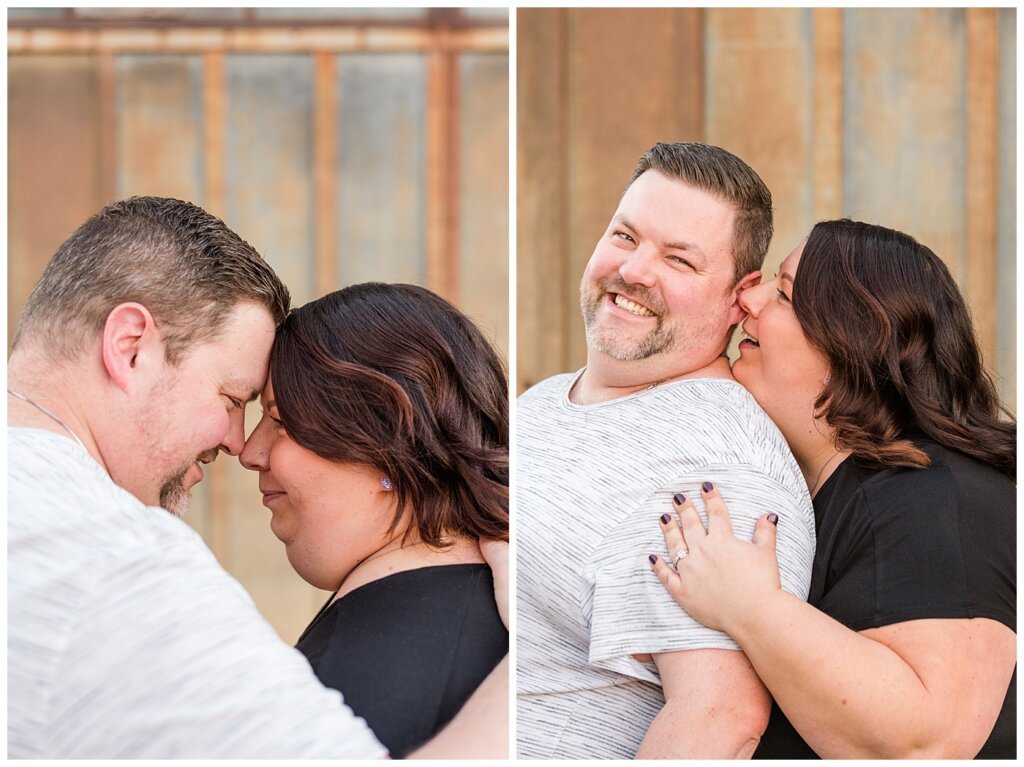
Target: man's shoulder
(557, 382)
(716, 405)
(57, 490)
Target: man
(146, 335)
(608, 665)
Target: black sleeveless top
(406, 651)
(902, 544)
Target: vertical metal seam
(981, 176)
(214, 159)
(325, 171)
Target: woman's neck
(814, 447)
(396, 556)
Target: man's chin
(623, 349)
(175, 497)
(177, 502)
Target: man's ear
(736, 312)
(130, 336)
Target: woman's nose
(254, 454)
(752, 299)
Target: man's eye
(624, 236)
(681, 261)
(236, 403)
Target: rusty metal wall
(902, 117)
(344, 153)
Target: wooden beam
(828, 113)
(325, 172)
(108, 140)
(689, 26)
(367, 39)
(442, 172)
(542, 325)
(215, 202)
(982, 198)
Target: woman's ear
(130, 337)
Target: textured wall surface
(901, 117)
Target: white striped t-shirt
(592, 481)
(125, 638)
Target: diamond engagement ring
(680, 555)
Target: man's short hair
(725, 176)
(180, 262)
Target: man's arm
(715, 707)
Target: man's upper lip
(270, 491)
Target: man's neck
(606, 379)
(48, 401)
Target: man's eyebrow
(682, 245)
(243, 385)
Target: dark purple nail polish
(679, 499)
(653, 558)
(774, 519)
(707, 487)
(665, 519)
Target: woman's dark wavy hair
(897, 335)
(396, 377)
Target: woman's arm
(913, 689)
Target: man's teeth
(753, 340)
(629, 306)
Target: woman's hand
(721, 577)
(496, 554)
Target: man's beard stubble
(660, 339)
(173, 495)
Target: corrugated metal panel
(483, 165)
(381, 166)
(862, 112)
(175, 112)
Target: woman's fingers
(765, 530)
(669, 578)
(718, 515)
(674, 540)
(689, 519)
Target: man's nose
(638, 267)
(234, 440)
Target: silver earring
(385, 482)
(828, 379)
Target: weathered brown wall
(341, 158)
(901, 117)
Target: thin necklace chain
(814, 486)
(382, 553)
(46, 412)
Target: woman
(862, 351)
(383, 457)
